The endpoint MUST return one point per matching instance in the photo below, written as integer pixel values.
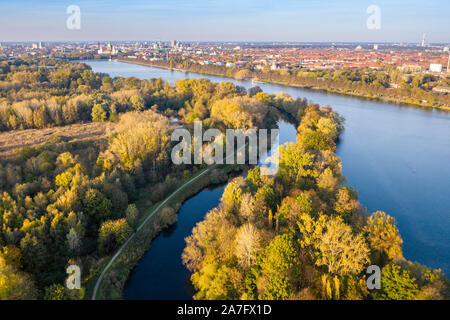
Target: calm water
(397, 157)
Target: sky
(226, 20)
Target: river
(396, 156)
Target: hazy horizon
(230, 21)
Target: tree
(55, 292)
(253, 179)
(247, 209)
(231, 197)
(267, 195)
(213, 283)
(279, 256)
(108, 245)
(98, 113)
(239, 112)
(327, 182)
(12, 256)
(140, 139)
(277, 262)
(137, 103)
(292, 209)
(64, 179)
(15, 284)
(73, 241)
(396, 284)
(96, 205)
(317, 140)
(35, 255)
(119, 228)
(339, 250)
(346, 202)
(132, 215)
(248, 245)
(383, 235)
(295, 164)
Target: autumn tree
(248, 245)
(396, 284)
(383, 235)
(339, 250)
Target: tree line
(388, 83)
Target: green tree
(98, 113)
(55, 292)
(120, 228)
(15, 284)
(132, 215)
(396, 284)
(213, 283)
(277, 262)
(137, 103)
(96, 205)
(231, 197)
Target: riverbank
(323, 89)
(116, 269)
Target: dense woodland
(302, 234)
(65, 203)
(73, 202)
(389, 83)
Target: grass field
(11, 141)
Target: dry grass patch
(12, 140)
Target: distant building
(436, 67)
(410, 68)
(441, 89)
(375, 47)
(109, 50)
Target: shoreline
(127, 257)
(333, 91)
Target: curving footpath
(100, 278)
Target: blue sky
(226, 20)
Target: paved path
(100, 278)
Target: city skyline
(233, 21)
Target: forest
(302, 234)
(74, 202)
